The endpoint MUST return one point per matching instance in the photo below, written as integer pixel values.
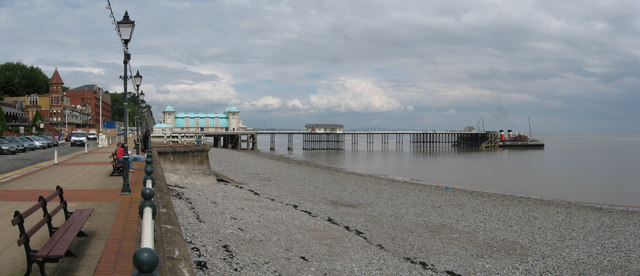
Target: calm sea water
(594, 168)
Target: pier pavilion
(192, 122)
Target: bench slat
(52, 196)
(33, 230)
(27, 213)
(56, 210)
(59, 243)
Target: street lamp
(137, 80)
(66, 111)
(142, 105)
(125, 30)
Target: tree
(37, 118)
(117, 107)
(17, 79)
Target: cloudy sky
(572, 66)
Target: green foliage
(37, 117)
(117, 107)
(17, 79)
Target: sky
(569, 66)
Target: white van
(92, 135)
(78, 138)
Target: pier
(336, 141)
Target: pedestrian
(145, 140)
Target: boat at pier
(518, 141)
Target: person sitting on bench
(132, 158)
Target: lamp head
(126, 26)
(137, 79)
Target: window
(207, 122)
(33, 100)
(186, 122)
(197, 122)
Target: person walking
(145, 140)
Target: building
(89, 96)
(58, 113)
(199, 122)
(324, 128)
(14, 115)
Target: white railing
(147, 223)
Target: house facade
(58, 112)
(89, 96)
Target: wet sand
(273, 215)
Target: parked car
(78, 138)
(28, 143)
(51, 140)
(16, 142)
(45, 141)
(40, 143)
(6, 147)
(92, 135)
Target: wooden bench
(60, 238)
(116, 166)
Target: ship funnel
(509, 134)
(502, 134)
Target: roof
(231, 109)
(169, 109)
(323, 126)
(9, 109)
(56, 79)
(162, 126)
(85, 87)
(200, 115)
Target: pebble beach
(262, 214)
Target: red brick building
(89, 95)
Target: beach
(258, 213)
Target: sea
(601, 169)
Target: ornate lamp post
(125, 30)
(143, 107)
(137, 80)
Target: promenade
(112, 228)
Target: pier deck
(248, 140)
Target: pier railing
(334, 141)
(417, 139)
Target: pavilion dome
(232, 109)
(169, 109)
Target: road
(9, 163)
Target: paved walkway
(112, 228)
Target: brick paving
(113, 229)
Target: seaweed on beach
(180, 195)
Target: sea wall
(170, 245)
